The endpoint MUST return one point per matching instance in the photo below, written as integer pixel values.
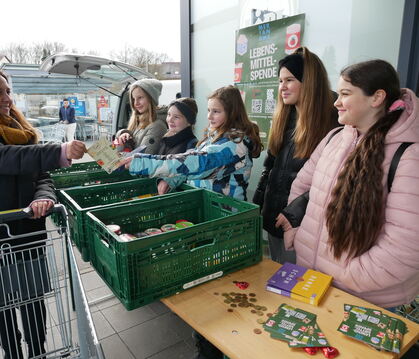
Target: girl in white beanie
(145, 128)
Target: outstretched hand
(75, 150)
(126, 162)
(163, 187)
(124, 137)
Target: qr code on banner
(257, 106)
(270, 106)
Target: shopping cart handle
(21, 213)
(15, 214)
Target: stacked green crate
(80, 200)
(86, 174)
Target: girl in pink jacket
(354, 229)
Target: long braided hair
(355, 214)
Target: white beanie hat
(151, 86)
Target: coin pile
(244, 300)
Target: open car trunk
(88, 68)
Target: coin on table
(257, 331)
(261, 321)
(252, 300)
(252, 295)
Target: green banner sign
(258, 50)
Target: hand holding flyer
(105, 154)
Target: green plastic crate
(226, 237)
(80, 200)
(77, 167)
(82, 174)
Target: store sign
(258, 50)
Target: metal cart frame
(42, 271)
(52, 133)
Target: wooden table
(233, 332)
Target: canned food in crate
(114, 228)
(182, 223)
(126, 237)
(151, 231)
(168, 227)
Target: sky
(101, 26)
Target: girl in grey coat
(145, 127)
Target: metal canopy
(28, 79)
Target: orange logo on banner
(102, 102)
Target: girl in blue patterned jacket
(222, 160)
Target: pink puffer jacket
(387, 274)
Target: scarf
(13, 133)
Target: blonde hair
(141, 120)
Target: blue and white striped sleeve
(191, 165)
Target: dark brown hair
(354, 216)
(19, 117)
(316, 112)
(237, 119)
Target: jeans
(278, 252)
(34, 328)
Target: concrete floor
(152, 331)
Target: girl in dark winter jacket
(181, 116)
(303, 116)
(25, 183)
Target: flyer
(105, 154)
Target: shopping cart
(51, 133)
(36, 274)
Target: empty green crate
(77, 167)
(226, 236)
(86, 174)
(80, 200)
(82, 175)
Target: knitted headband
(295, 64)
(185, 110)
